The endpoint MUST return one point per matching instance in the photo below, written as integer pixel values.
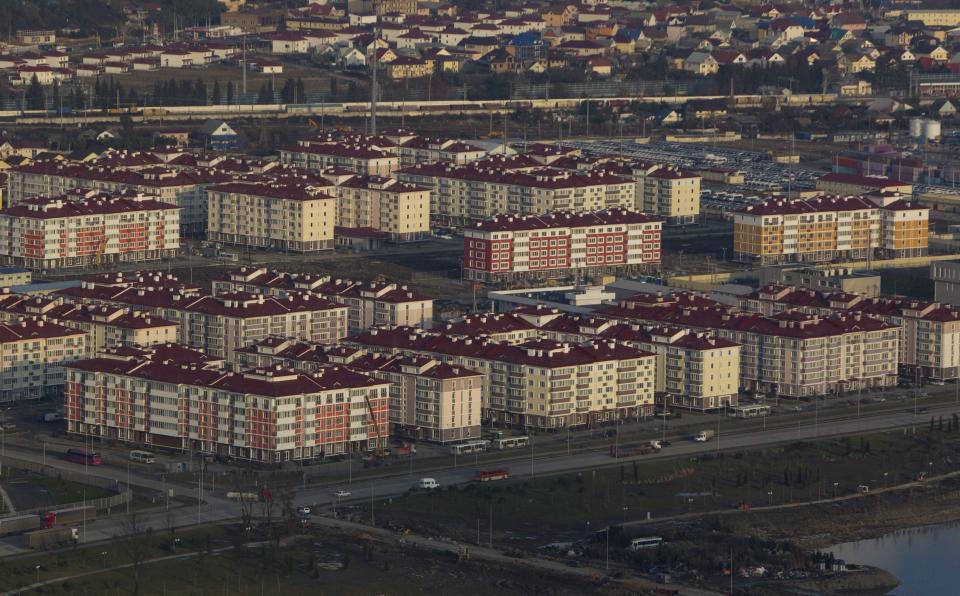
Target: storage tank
(916, 128)
(931, 130)
(924, 130)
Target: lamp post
(103, 557)
(835, 485)
(38, 573)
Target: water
(923, 559)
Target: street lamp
(103, 556)
(769, 497)
(835, 484)
(38, 573)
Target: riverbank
(866, 581)
(823, 525)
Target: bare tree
(135, 540)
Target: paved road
(216, 507)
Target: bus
(749, 411)
(84, 456)
(646, 542)
(469, 447)
(144, 457)
(510, 442)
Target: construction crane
(379, 451)
(101, 248)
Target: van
(428, 484)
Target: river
(924, 559)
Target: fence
(124, 494)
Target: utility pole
(373, 81)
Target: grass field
(315, 563)
(552, 507)
(65, 491)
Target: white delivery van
(428, 484)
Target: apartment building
(360, 155)
(398, 209)
(946, 281)
(33, 352)
(279, 214)
(181, 188)
(695, 370)
(668, 192)
(539, 383)
(512, 248)
(106, 327)
(429, 400)
(461, 195)
(84, 228)
(856, 184)
(263, 415)
(413, 149)
(929, 332)
(663, 190)
(792, 354)
(827, 228)
(219, 325)
(369, 303)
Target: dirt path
(541, 565)
(66, 578)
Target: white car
(303, 511)
(342, 494)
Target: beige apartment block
(929, 332)
(539, 383)
(464, 194)
(369, 303)
(791, 353)
(429, 400)
(219, 325)
(279, 215)
(33, 352)
(695, 370)
(668, 192)
(400, 210)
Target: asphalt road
(216, 507)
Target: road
(216, 507)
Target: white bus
(469, 447)
(144, 457)
(646, 542)
(510, 442)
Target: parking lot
(761, 173)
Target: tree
(199, 93)
(77, 101)
(288, 92)
(266, 93)
(135, 540)
(55, 95)
(229, 93)
(301, 92)
(215, 94)
(35, 96)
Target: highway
(216, 507)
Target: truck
(50, 417)
(634, 449)
(20, 523)
(51, 537)
(488, 475)
(703, 436)
(73, 515)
